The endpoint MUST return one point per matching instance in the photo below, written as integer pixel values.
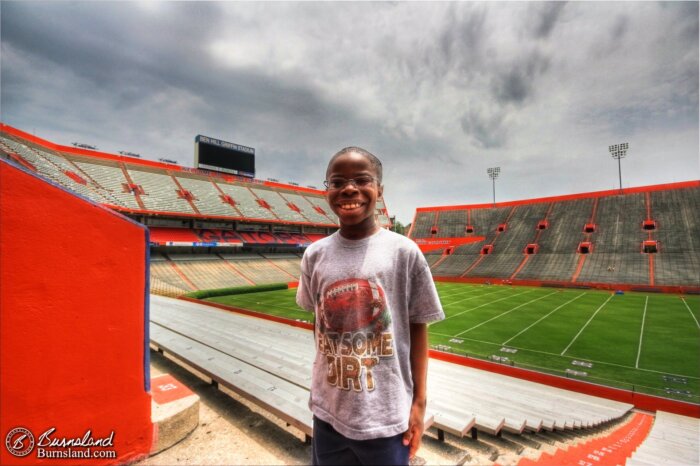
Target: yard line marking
(504, 313)
(541, 319)
(485, 304)
(455, 295)
(584, 327)
(448, 293)
(641, 333)
(691, 312)
(472, 297)
(454, 292)
(251, 301)
(555, 354)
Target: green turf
(632, 340)
(278, 303)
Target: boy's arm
(419, 373)
(304, 297)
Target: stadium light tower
(619, 151)
(493, 174)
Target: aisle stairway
(611, 449)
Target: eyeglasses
(339, 183)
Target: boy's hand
(412, 437)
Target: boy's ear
(380, 190)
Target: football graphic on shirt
(352, 304)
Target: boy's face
(353, 203)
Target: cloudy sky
(439, 91)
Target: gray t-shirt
(365, 293)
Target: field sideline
(636, 341)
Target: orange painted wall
(73, 320)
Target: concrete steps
(174, 413)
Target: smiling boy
(373, 295)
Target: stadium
(162, 174)
(572, 321)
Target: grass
(637, 341)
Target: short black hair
(373, 160)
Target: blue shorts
(330, 448)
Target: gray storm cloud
(440, 91)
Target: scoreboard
(221, 156)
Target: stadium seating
(422, 224)
(520, 229)
(486, 221)
(432, 258)
(149, 188)
(278, 205)
(177, 274)
(107, 182)
(583, 239)
(556, 258)
(306, 207)
(160, 191)
(246, 202)
(677, 268)
(453, 223)
(616, 257)
(535, 407)
(206, 197)
(673, 440)
(259, 270)
(455, 264)
(163, 288)
(111, 178)
(290, 263)
(165, 273)
(206, 273)
(133, 184)
(460, 397)
(138, 185)
(53, 171)
(466, 257)
(278, 396)
(678, 231)
(321, 205)
(82, 184)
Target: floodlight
(493, 173)
(618, 152)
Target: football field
(646, 342)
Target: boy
(372, 294)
